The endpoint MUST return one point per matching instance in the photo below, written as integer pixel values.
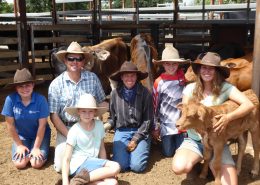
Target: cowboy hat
(23, 76)
(128, 67)
(74, 48)
(211, 59)
(86, 101)
(170, 54)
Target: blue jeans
(29, 143)
(170, 143)
(136, 160)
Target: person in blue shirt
(26, 115)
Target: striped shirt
(167, 93)
(63, 92)
(138, 114)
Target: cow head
(95, 55)
(193, 116)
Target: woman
(26, 115)
(210, 88)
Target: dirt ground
(158, 171)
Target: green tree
(5, 7)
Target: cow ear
(102, 54)
(179, 106)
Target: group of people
(76, 98)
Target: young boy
(85, 154)
(167, 93)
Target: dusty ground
(158, 172)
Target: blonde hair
(216, 87)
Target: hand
(36, 154)
(156, 134)
(107, 126)
(131, 146)
(21, 152)
(221, 124)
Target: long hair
(216, 86)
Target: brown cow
(240, 72)
(108, 56)
(142, 53)
(201, 118)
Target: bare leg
(228, 175)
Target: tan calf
(201, 118)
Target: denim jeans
(136, 160)
(29, 143)
(170, 143)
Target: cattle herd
(106, 58)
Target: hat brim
(36, 82)
(117, 76)
(73, 111)
(179, 61)
(61, 54)
(225, 71)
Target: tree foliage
(5, 7)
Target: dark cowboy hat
(23, 76)
(128, 67)
(211, 59)
(74, 48)
(170, 54)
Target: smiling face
(207, 73)
(86, 115)
(170, 67)
(74, 62)
(129, 79)
(25, 90)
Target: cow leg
(256, 145)
(241, 151)
(207, 153)
(216, 163)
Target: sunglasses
(72, 59)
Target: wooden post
(23, 34)
(256, 57)
(54, 12)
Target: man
(131, 112)
(65, 90)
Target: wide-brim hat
(211, 59)
(86, 101)
(171, 54)
(74, 48)
(128, 67)
(23, 76)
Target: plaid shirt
(65, 93)
(138, 114)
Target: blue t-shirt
(26, 118)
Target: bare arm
(39, 137)
(58, 124)
(245, 106)
(21, 149)
(102, 152)
(66, 164)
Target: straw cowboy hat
(23, 76)
(86, 101)
(211, 59)
(128, 67)
(74, 48)
(170, 54)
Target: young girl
(211, 89)
(85, 154)
(167, 93)
(26, 115)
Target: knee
(115, 168)
(179, 168)
(21, 165)
(36, 164)
(138, 167)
